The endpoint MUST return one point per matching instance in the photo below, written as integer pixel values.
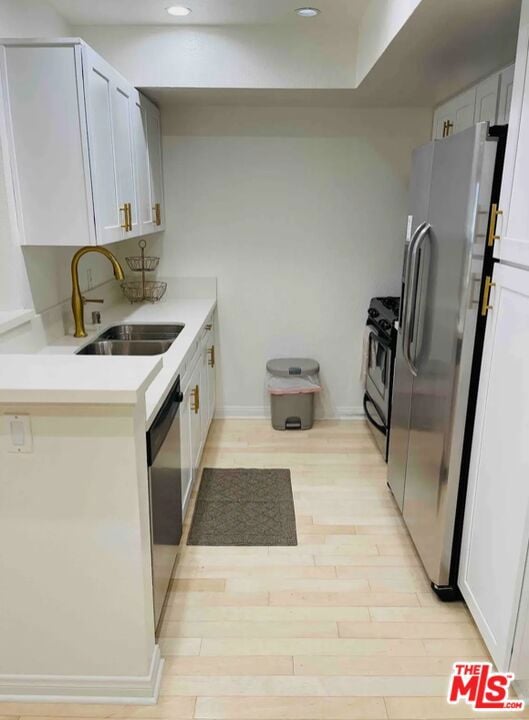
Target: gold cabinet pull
(126, 209)
(209, 326)
(493, 223)
(195, 392)
(211, 361)
(485, 306)
(157, 211)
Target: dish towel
(365, 355)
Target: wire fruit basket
(143, 290)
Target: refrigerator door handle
(411, 313)
(405, 298)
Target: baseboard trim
(85, 689)
(260, 412)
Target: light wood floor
(342, 627)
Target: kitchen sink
(133, 340)
(142, 332)
(126, 347)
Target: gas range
(381, 342)
(383, 312)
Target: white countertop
(56, 374)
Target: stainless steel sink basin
(142, 332)
(126, 347)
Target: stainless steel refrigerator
(440, 335)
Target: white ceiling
(206, 12)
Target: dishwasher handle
(163, 421)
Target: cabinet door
(154, 141)
(443, 118)
(212, 371)
(496, 528)
(464, 109)
(487, 100)
(195, 393)
(146, 217)
(204, 391)
(520, 654)
(111, 151)
(124, 98)
(513, 225)
(185, 449)
(504, 104)
(44, 109)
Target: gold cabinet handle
(126, 209)
(195, 392)
(157, 211)
(485, 306)
(211, 361)
(493, 223)
(209, 326)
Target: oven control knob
(373, 313)
(385, 325)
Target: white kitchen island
(76, 620)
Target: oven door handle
(373, 422)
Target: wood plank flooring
(343, 626)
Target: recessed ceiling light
(308, 12)
(178, 10)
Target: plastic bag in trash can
(292, 385)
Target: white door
(185, 449)
(464, 109)
(124, 98)
(111, 150)
(496, 527)
(146, 217)
(443, 120)
(520, 654)
(154, 140)
(212, 371)
(487, 100)
(513, 225)
(195, 399)
(506, 86)
(204, 388)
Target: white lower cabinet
(211, 371)
(496, 528)
(196, 414)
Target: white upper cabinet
(505, 98)
(487, 94)
(455, 115)
(489, 100)
(496, 526)
(149, 159)
(154, 143)
(79, 150)
(512, 229)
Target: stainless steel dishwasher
(165, 494)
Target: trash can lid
(287, 367)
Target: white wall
(300, 214)
(258, 56)
(381, 22)
(36, 277)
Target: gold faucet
(78, 300)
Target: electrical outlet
(89, 280)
